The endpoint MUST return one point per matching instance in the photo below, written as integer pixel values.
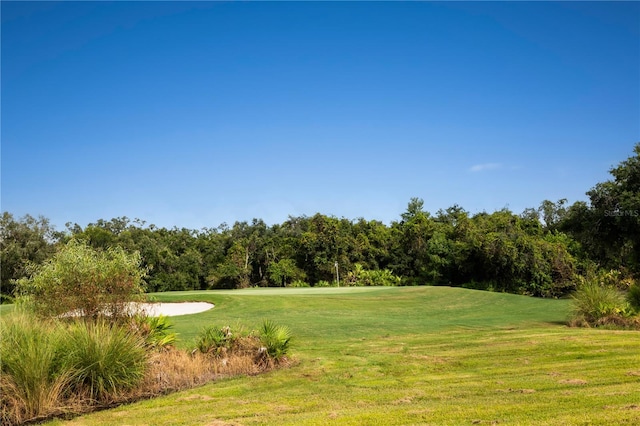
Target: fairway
(406, 355)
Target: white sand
(173, 309)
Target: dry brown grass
(17, 407)
(173, 370)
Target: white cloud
(484, 167)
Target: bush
(84, 281)
(298, 283)
(634, 297)
(323, 283)
(362, 277)
(105, 359)
(265, 347)
(598, 302)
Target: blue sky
(194, 114)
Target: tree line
(538, 252)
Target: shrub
(276, 340)
(598, 302)
(634, 296)
(363, 277)
(84, 281)
(105, 359)
(323, 283)
(298, 283)
(32, 379)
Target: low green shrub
(634, 296)
(298, 283)
(155, 330)
(276, 339)
(61, 366)
(105, 359)
(323, 283)
(363, 277)
(215, 340)
(599, 303)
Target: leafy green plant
(298, 284)
(105, 359)
(84, 281)
(155, 330)
(215, 340)
(276, 339)
(634, 296)
(323, 283)
(363, 277)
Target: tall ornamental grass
(32, 375)
(48, 368)
(105, 359)
(599, 301)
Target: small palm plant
(215, 340)
(276, 340)
(155, 330)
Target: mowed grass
(407, 355)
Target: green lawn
(407, 355)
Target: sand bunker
(174, 309)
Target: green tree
(325, 241)
(411, 238)
(23, 242)
(284, 272)
(609, 227)
(552, 213)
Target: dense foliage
(84, 281)
(22, 242)
(538, 252)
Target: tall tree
(609, 228)
(24, 241)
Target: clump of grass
(32, 379)
(600, 303)
(173, 370)
(105, 359)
